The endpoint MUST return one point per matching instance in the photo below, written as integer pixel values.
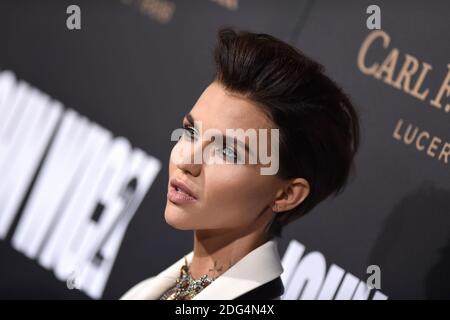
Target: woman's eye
(189, 132)
(230, 154)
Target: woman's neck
(215, 251)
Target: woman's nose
(190, 157)
(192, 168)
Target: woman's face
(227, 195)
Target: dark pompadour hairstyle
(318, 124)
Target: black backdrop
(135, 71)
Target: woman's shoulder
(134, 292)
(272, 290)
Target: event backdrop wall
(85, 123)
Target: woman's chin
(178, 220)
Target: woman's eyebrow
(190, 119)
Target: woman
(235, 211)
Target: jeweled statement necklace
(186, 287)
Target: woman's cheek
(229, 184)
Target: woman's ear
(291, 195)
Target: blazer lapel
(257, 268)
(158, 284)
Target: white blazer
(255, 276)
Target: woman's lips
(179, 193)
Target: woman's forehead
(216, 108)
